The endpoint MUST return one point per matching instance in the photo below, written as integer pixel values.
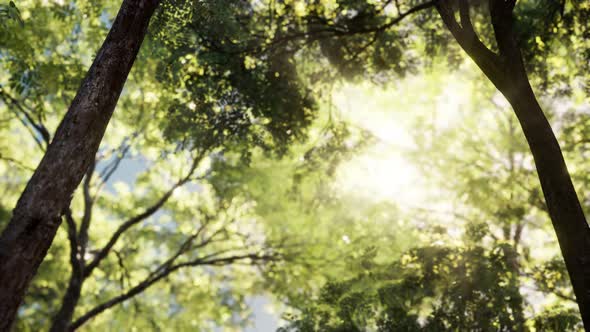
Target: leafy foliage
(223, 93)
(239, 84)
(429, 289)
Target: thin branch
(518, 233)
(466, 36)
(465, 17)
(125, 273)
(142, 216)
(17, 163)
(398, 19)
(334, 31)
(553, 291)
(128, 224)
(75, 260)
(226, 260)
(88, 205)
(362, 49)
(184, 247)
(397, 7)
(142, 286)
(26, 111)
(31, 131)
(120, 153)
(563, 296)
(110, 169)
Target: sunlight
(294, 165)
(383, 171)
(381, 174)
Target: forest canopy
(294, 165)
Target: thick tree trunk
(37, 215)
(564, 207)
(506, 70)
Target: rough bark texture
(507, 72)
(37, 215)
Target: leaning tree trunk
(37, 215)
(562, 201)
(507, 72)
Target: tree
(483, 148)
(223, 122)
(247, 72)
(344, 31)
(219, 131)
(119, 274)
(35, 219)
(507, 72)
(429, 288)
(198, 236)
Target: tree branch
(125, 273)
(551, 290)
(501, 16)
(39, 127)
(398, 19)
(465, 17)
(87, 217)
(467, 38)
(75, 260)
(142, 286)
(110, 169)
(142, 216)
(16, 162)
(329, 31)
(184, 247)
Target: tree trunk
(62, 320)
(37, 215)
(506, 70)
(562, 201)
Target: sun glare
(383, 172)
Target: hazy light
(383, 172)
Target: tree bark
(37, 215)
(506, 71)
(61, 321)
(562, 201)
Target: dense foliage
(220, 176)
